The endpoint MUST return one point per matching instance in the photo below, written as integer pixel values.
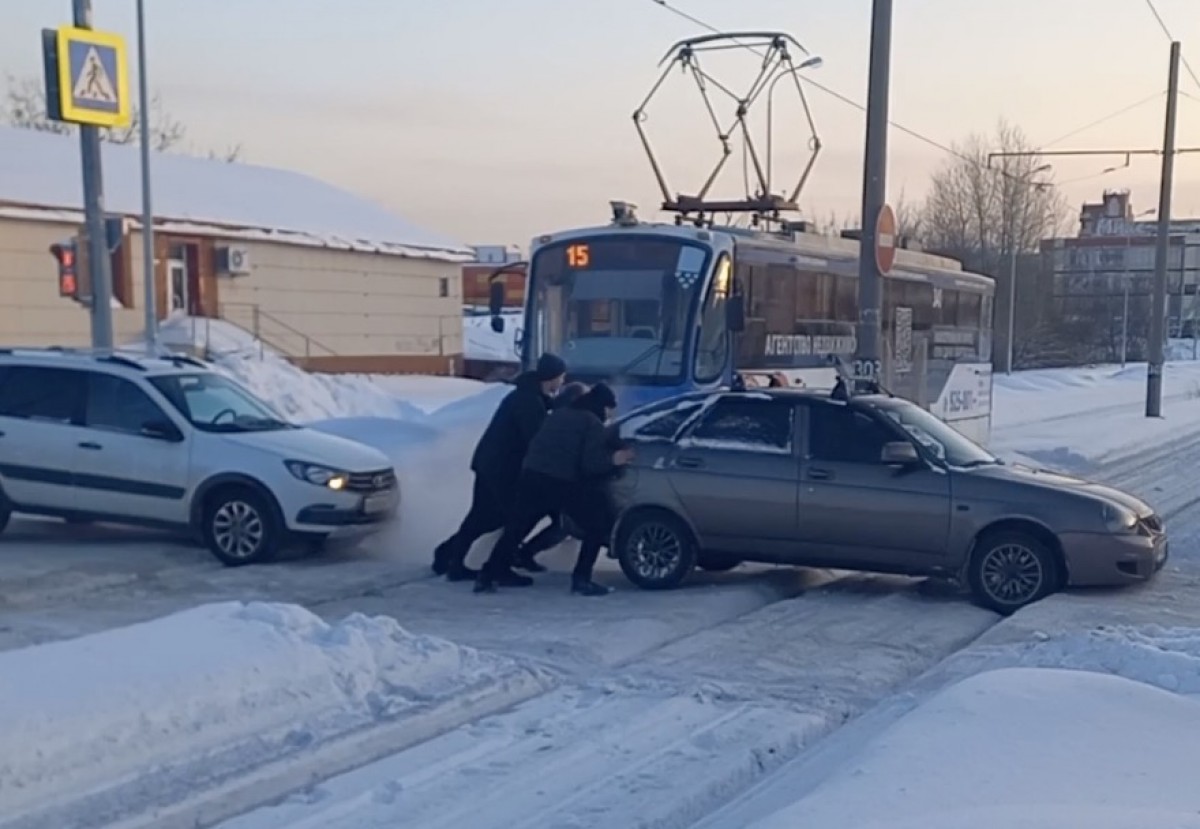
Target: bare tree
(982, 215)
(23, 104)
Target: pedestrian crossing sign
(93, 77)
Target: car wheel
(655, 550)
(718, 564)
(240, 527)
(1010, 570)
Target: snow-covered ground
(747, 696)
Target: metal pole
(1159, 309)
(1012, 307)
(148, 274)
(93, 207)
(1125, 324)
(874, 181)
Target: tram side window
(949, 310)
(969, 308)
(846, 299)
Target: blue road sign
(93, 77)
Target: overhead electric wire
(911, 132)
(1162, 24)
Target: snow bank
(1036, 748)
(151, 716)
(1076, 419)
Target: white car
(169, 442)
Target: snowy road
(707, 704)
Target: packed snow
(41, 170)
(742, 698)
(206, 695)
(1035, 748)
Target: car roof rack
(121, 360)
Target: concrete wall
(31, 311)
(342, 310)
(348, 304)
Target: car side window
(51, 395)
(118, 405)
(661, 424)
(839, 433)
(747, 425)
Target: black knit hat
(549, 367)
(598, 398)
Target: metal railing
(270, 331)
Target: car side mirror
(735, 313)
(496, 304)
(900, 453)
(161, 430)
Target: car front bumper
(357, 515)
(1100, 560)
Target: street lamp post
(1025, 181)
(148, 293)
(814, 62)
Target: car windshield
(943, 440)
(617, 306)
(213, 403)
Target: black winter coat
(502, 448)
(572, 446)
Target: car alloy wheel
(657, 551)
(1012, 574)
(238, 529)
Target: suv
(870, 483)
(169, 442)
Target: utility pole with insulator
(1158, 312)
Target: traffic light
(68, 270)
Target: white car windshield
(943, 440)
(214, 403)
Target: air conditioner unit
(233, 260)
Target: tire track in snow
(668, 738)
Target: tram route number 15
(867, 369)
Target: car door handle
(820, 474)
(87, 444)
(689, 463)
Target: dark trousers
(491, 503)
(540, 496)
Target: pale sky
(495, 120)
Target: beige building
(327, 278)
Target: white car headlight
(1118, 519)
(318, 475)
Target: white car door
(40, 409)
(134, 460)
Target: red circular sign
(885, 240)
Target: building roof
(40, 172)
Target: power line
(1162, 24)
(911, 132)
(1156, 96)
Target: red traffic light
(68, 283)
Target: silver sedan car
(872, 483)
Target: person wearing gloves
(565, 470)
(497, 463)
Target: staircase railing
(270, 331)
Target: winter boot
(507, 578)
(441, 560)
(587, 587)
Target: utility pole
(1158, 310)
(874, 184)
(93, 206)
(148, 275)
